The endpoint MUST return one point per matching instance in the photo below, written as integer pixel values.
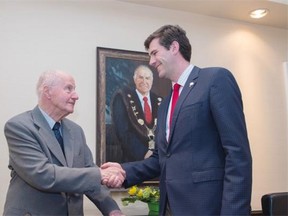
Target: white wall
(35, 36)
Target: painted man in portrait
(134, 116)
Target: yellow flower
(146, 194)
(132, 191)
(140, 193)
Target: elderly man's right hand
(112, 175)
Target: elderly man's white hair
(140, 68)
(48, 78)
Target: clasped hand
(112, 175)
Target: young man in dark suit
(202, 150)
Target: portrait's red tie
(147, 111)
(175, 96)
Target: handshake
(112, 175)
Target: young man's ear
(174, 47)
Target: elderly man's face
(63, 96)
(143, 81)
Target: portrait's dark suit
(132, 131)
(44, 182)
(206, 167)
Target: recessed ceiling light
(259, 13)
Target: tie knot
(56, 126)
(176, 87)
(145, 99)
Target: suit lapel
(189, 85)
(163, 118)
(138, 105)
(48, 136)
(68, 144)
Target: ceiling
(228, 9)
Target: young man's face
(160, 58)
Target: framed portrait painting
(122, 132)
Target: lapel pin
(191, 84)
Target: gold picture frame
(115, 68)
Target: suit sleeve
(139, 171)
(227, 110)
(30, 160)
(103, 200)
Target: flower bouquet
(148, 194)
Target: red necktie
(175, 96)
(147, 111)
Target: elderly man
(134, 116)
(50, 162)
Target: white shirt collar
(184, 76)
(50, 121)
(141, 96)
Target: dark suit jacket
(129, 123)
(43, 182)
(206, 167)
